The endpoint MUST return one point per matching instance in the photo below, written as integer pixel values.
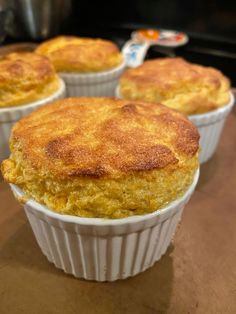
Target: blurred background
(210, 24)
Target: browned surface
(197, 275)
(103, 157)
(97, 137)
(79, 54)
(25, 77)
(181, 85)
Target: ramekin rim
(103, 221)
(222, 109)
(93, 74)
(60, 90)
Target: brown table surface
(196, 275)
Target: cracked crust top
(99, 137)
(26, 77)
(178, 84)
(81, 55)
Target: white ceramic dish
(104, 249)
(92, 84)
(10, 115)
(210, 126)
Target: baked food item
(192, 89)
(26, 77)
(27, 81)
(81, 55)
(89, 67)
(176, 83)
(103, 157)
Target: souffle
(178, 84)
(25, 78)
(81, 55)
(103, 157)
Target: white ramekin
(210, 126)
(92, 84)
(104, 249)
(10, 115)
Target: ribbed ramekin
(10, 115)
(210, 126)
(92, 84)
(104, 249)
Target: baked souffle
(103, 157)
(81, 55)
(25, 78)
(178, 84)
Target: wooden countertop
(197, 275)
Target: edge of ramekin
(102, 221)
(92, 74)
(56, 94)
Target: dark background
(209, 17)
(211, 25)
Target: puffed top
(25, 78)
(81, 55)
(103, 157)
(178, 84)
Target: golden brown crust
(25, 78)
(186, 87)
(99, 137)
(103, 157)
(82, 55)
